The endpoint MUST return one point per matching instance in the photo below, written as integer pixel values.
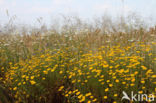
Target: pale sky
(28, 10)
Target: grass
(88, 66)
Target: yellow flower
(66, 95)
(140, 92)
(108, 81)
(110, 85)
(89, 101)
(91, 97)
(143, 87)
(101, 76)
(90, 68)
(32, 82)
(27, 77)
(76, 90)
(115, 95)
(105, 66)
(23, 76)
(77, 93)
(61, 72)
(80, 96)
(69, 92)
(117, 81)
(86, 81)
(83, 99)
(79, 81)
(88, 76)
(19, 84)
(107, 89)
(94, 100)
(133, 80)
(111, 67)
(45, 72)
(114, 77)
(105, 97)
(15, 88)
(132, 84)
(123, 82)
(144, 68)
(142, 81)
(43, 78)
(32, 77)
(136, 72)
(60, 89)
(153, 76)
(102, 83)
(73, 81)
(88, 94)
(52, 70)
(100, 80)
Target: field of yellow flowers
(87, 68)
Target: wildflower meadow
(84, 65)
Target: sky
(27, 11)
